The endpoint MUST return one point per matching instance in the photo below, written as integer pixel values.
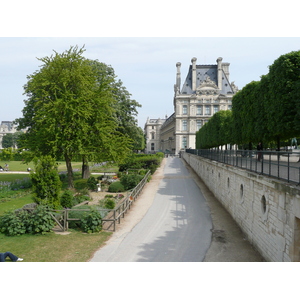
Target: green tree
(7, 154)
(46, 184)
(70, 112)
(283, 96)
(11, 140)
(126, 134)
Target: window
(184, 125)
(207, 110)
(152, 146)
(184, 109)
(152, 135)
(184, 142)
(216, 108)
(199, 124)
(199, 109)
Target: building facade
(205, 91)
(5, 128)
(152, 134)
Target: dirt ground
(228, 241)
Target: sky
(145, 65)
(143, 44)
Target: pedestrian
(6, 167)
(259, 149)
(10, 255)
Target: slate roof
(202, 71)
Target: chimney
(178, 77)
(194, 59)
(219, 61)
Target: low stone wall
(267, 210)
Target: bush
(92, 221)
(46, 183)
(24, 221)
(12, 224)
(109, 203)
(80, 198)
(116, 187)
(67, 199)
(130, 181)
(80, 184)
(39, 221)
(89, 222)
(92, 183)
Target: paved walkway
(176, 219)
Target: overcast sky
(141, 44)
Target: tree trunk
(85, 168)
(69, 171)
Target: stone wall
(267, 210)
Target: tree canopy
(71, 111)
(267, 110)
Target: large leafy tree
(125, 112)
(283, 96)
(70, 111)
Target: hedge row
(263, 111)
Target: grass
(16, 165)
(12, 177)
(13, 204)
(22, 167)
(52, 247)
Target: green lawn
(16, 166)
(15, 203)
(51, 247)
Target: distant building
(5, 128)
(205, 91)
(152, 134)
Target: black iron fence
(278, 164)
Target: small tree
(46, 182)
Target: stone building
(152, 134)
(5, 128)
(205, 91)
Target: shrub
(39, 221)
(80, 198)
(12, 224)
(24, 221)
(92, 221)
(130, 181)
(92, 183)
(116, 187)
(109, 203)
(80, 184)
(46, 183)
(67, 199)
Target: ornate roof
(206, 77)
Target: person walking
(10, 255)
(259, 149)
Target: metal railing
(278, 164)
